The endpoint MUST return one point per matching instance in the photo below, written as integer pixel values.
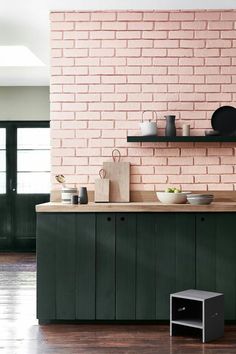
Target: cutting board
(102, 188)
(119, 175)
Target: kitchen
(141, 102)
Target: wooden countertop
(53, 207)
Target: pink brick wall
(107, 67)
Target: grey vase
(83, 195)
(170, 126)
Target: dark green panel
(206, 251)
(65, 266)
(125, 266)
(46, 272)
(5, 223)
(146, 267)
(185, 251)
(105, 266)
(85, 266)
(165, 257)
(226, 262)
(25, 219)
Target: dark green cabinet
(123, 266)
(215, 257)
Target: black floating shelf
(180, 139)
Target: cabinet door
(105, 266)
(46, 270)
(65, 266)
(216, 261)
(85, 266)
(146, 267)
(175, 258)
(125, 266)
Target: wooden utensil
(119, 176)
(102, 187)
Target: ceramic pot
(149, 127)
(170, 126)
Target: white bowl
(172, 198)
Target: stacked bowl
(200, 199)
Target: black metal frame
(11, 164)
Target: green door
(215, 257)
(24, 181)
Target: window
(2, 160)
(33, 160)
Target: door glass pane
(33, 182)
(33, 160)
(2, 182)
(2, 160)
(2, 138)
(33, 138)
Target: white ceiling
(26, 22)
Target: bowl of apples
(172, 195)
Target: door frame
(11, 168)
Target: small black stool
(202, 310)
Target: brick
(74, 107)
(155, 34)
(101, 106)
(193, 152)
(139, 61)
(191, 61)
(111, 97)
(167, 170)
(166, 97)
(193, 170)
(180, 88)
(180, 52)
(228, 34)
(128, 88)
(103, 16)
(181, 34)
(206, 52)
(207, 34)
(186, 43)
(104, 52)
(166, 43)
(128, 52)
(207, 88)
(75, 88)
(207, 179)
(57, 16)
(129, 16)
(101, 143)
(56, 35)
(220, 187)
(142, 79)
(128, 34)
(62, 62)
(181, 16)
(156, 52)
(101, 70)
(165, 61)
(88, 133)
(101, 88)
(62, 115)
(56, 53)
(76, 161)
(87, 79)
(127, 106)
(180, 70)
(89, 43)
(128, 70)
(77, 35)
(87, 26)
(63, 152)
(206, 160)
(194, 25)
(155, 16)
(154, 179)
(217, 61)
(88, 115)
(220, 25)
(222, 169)
(168, 25)
(220, 97)
(113, 79)
(142, 26)
(111, 133)
(112, 43)
(140, 43)
(154, 70)
(180, 161)
(114, 26)
(180, 179)
(62, 97)
(139, 97)
(74, 124)
(62, 44)
(207, 15)
(207, 70)
(62, 26)
(74, 142)
(154, 161)
(228, 178)
(193, 79)
(77, 16)
(87, 97)
(102, 34)
(87, 62)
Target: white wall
(24, 103)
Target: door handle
(13, 189)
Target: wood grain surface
(20, 332)
(53, 207)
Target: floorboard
(21, 334)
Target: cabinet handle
(108, 219)
(180, 309)
(202, 219)
(122, 218)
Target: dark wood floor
(21, 334)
